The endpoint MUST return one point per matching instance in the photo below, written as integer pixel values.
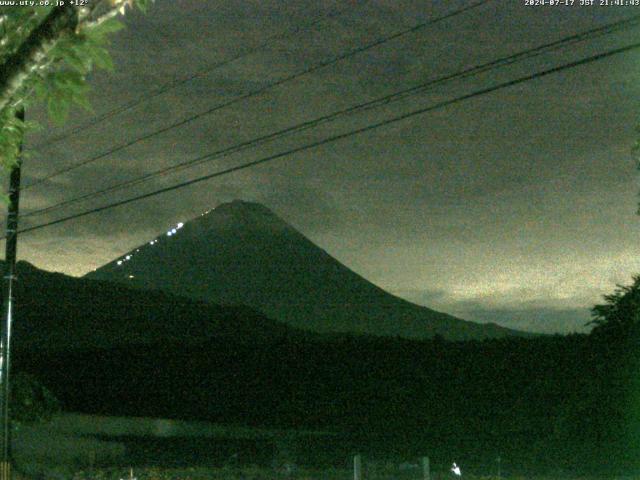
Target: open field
(127, 448)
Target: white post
(426, 473)
(357, 467)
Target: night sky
(516, 206)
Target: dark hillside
(58, 312)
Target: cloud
(540, 320)
(542, 315)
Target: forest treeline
(545, 404)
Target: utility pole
(5, 331)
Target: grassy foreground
(261, 473)
(246, 473)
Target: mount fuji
(241, 253)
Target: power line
(386, 99)
(181, 81)
(258, 91)
(341, 136)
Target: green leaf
(68, 80)
(143, 5)
(40, 89)
(32, 125)
(102, 58)
(58, 107)
(100, 31)
(83, 101)
(11, 161)
(76, 60)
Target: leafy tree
(616, 359)
(45, 55)
(620, 314)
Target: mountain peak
(244, 213)
(242, 253)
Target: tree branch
(25, 60)
(29, 56)
(115, 7)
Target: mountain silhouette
(56, 312)
(241, 253)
